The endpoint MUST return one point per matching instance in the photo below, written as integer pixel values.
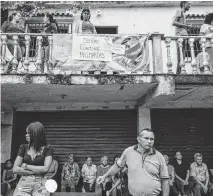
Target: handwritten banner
(91, 48)
(101, 53)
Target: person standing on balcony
(70, 174)
(179, 20)
(50, 27)
(147, 169)
(181, 173)
(84, 26)
(181, 27)
(89, 172)
(33, 162)
(207, 30)
(101, 170)
(13, 26)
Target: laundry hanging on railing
(101, 52)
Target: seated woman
(8, 176)
(52, 170)
(117, 188)
(50, 27)
(101, 170)
(13, 26)
(171, 172)
(121, 184)
(33, 162)
(84, 26)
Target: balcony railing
(166, 54)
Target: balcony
(162, 51)
(90, 85)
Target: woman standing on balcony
(13, 26)
(32, 162)
(207, 30)
(50, 27)
(84, 26)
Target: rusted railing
(167, 53)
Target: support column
(157, 53)
(6, 134)
(144, 118)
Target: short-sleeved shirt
(39, 159)
(90, 172)
(199, 171)
(144, 173)
(181, 169)
(181, 18)
(207, 30)
(71, 172)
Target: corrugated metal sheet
(83, 133)
(189, 131)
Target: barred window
(196, 21)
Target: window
(106, 29)
(196, 21)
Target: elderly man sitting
(200, 177)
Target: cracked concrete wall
(6, 134)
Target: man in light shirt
(200, 175)
(89, 172)
(147, 169)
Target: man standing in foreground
(147, 170)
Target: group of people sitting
(188, 179)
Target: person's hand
(24, 165)
(190, 26)
(100, 180)
(170, 183)
(108, 193)
(186, 182)
(119, 187)
(90, 186)
(205, 188)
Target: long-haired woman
(32, 162)
(84, 26)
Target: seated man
(70, 174)
(89, 172)
(200, 176)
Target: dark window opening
(106, 30)
(197, 47)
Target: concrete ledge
(194, 79)
(75, 79)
